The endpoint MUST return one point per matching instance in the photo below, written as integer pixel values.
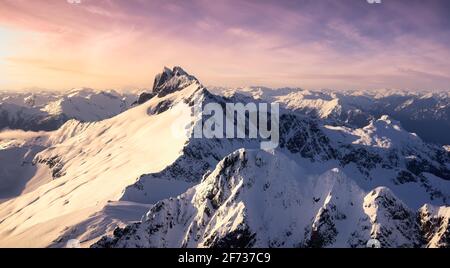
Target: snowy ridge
(87, 165)
(382, 145)
(241, 202)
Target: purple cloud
(349, 43)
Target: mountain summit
(172, 80)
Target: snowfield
(92, 164)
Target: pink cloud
(112, 43)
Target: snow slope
(91, 164)
(259, 199)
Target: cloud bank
(342, 44)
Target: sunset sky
(339, 44)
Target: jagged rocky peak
(167, 82)
(171, 80)
(255, 198)
(393, 223)
(225, 210)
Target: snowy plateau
(106, 169)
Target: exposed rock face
(144, 97)
(424, 113)
(172, 80)
(383, 144)
(258, 199)
(435, 225)
(393, 223)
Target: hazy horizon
(338, 45)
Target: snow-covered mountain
(259, 199)
(49, 110)
(427, 114)
(85, 179)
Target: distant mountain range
(49, 110)
(427, 114)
